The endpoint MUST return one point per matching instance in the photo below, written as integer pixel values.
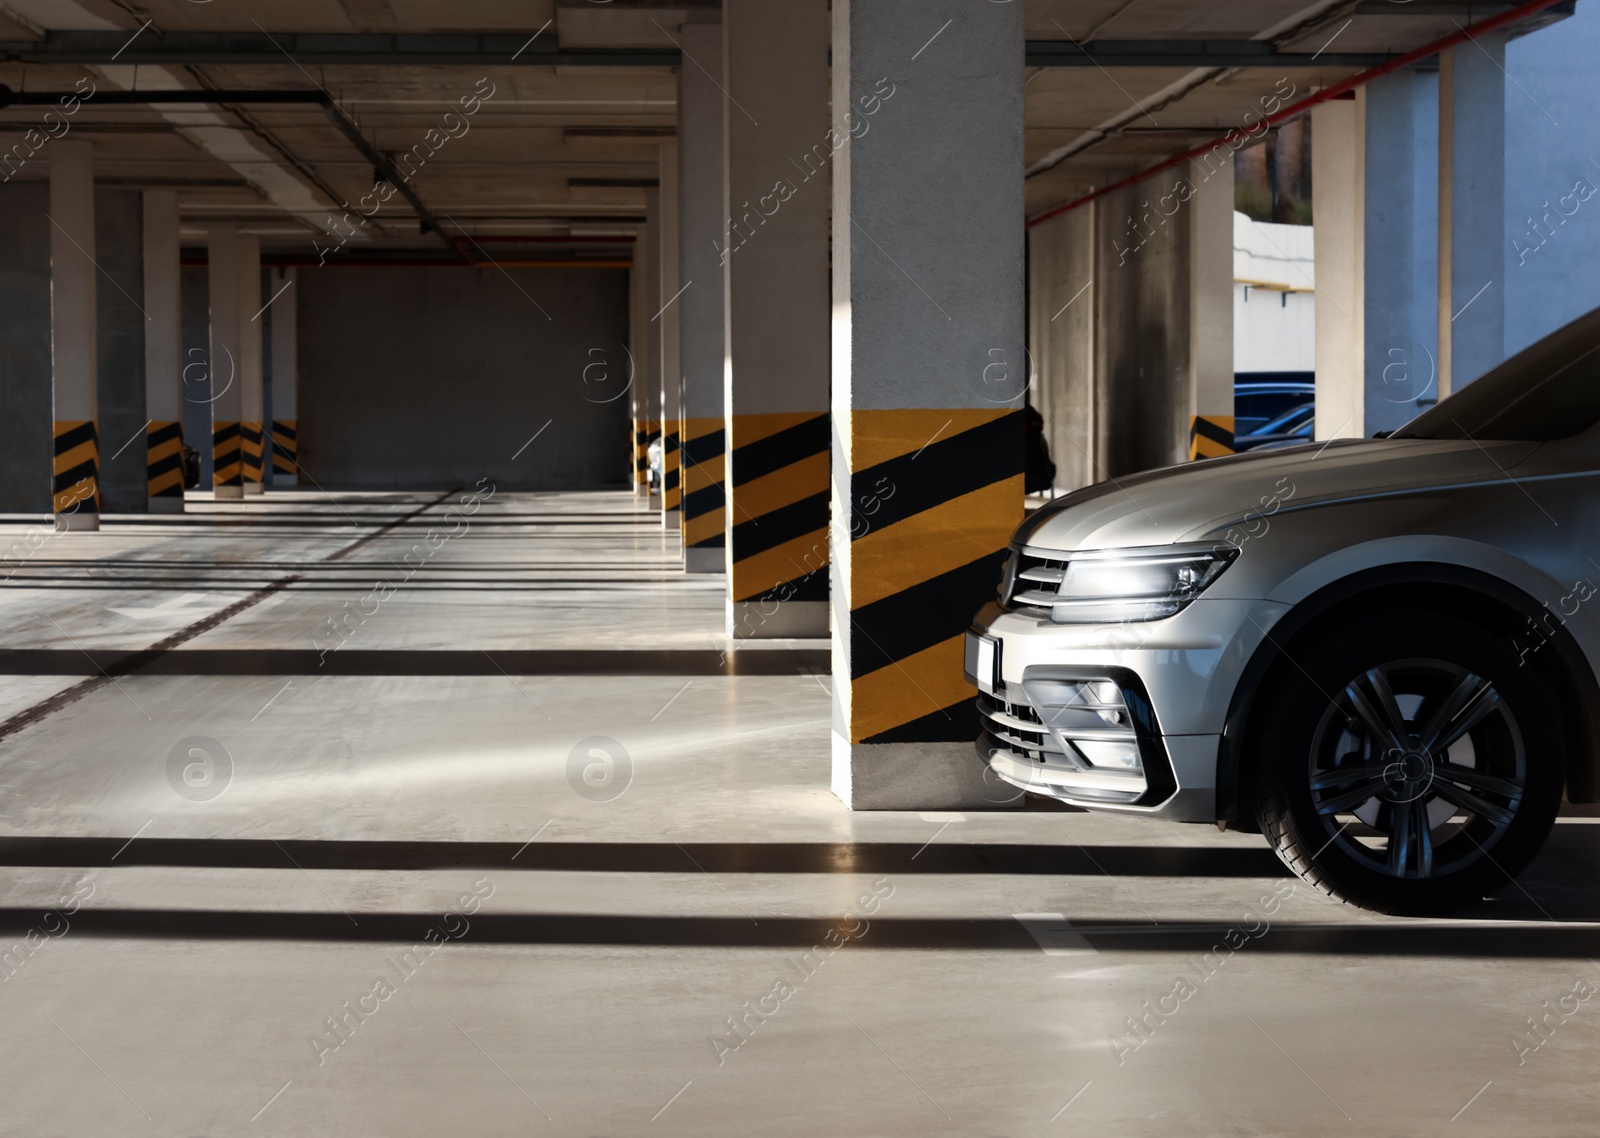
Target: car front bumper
(1046, 707)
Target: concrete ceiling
(565, 149)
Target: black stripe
(672, 443)
(67, 479)
(705, 448)
(958, 723)
(223, 433)
(704, 500)
(947, 855)
(785, 448)
(76, 436)
(757, 535)
(1207, 429)
(923, 615)
(811, 587)
(164, 464)
(716, 541)
(279, 427)
(671, 479)
(249, 434)
(946, 469)
(164, 433)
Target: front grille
(1018, 727)
(1034, 582)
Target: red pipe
(1341, 88)
(495, 239)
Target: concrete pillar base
(655, 501)
(713, 560)
(917, 776)
(167, 505)
(282, 479)
(254, 488)
(222, 492)
(670, 520)
(77, 523)
(778, 620)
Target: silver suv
(1380, 652)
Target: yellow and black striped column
(1210, 436)
(671, 476)
(227, 460)
(250, 454)
(285, 450)
(778, 524)
(704, 498)
(935, 497)
(75, 487)
(164, 466)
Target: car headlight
(1116, 586)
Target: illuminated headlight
(1136, 584)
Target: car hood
(1190, 501)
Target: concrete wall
(25, 446)
(119, 251)
(1061, 341)
(438, 377)
(1552, 234)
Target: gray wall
(25, 447)
(119, 300)
(437, 377)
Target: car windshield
(1288, 421)
(1548, 391)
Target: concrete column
(638, 393)
(223, 361)
(775, 289)
(1400, 269)
(283, 326)
(74, 338)
(252, 389)
(701, 237)
(647, 349)
(669, 396)
(929, 375)
(1338, 163)
(163, 354)
(1061, 329)
(26, 449)
(121, 318)
(1472, 246)
(1211, 315)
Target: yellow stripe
(83, 452)
(782, 487)
(162, 450)
(708, 525)
(1202, 447)
(165, 479)
(780, 565)
(946, 537)
(919, 685)
(747, 429)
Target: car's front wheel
(1406, 762)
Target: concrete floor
(591, 939)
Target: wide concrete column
(252, 389)
(1064, 264)
(283, 327)
(1210, 375)
(1472, 222)
(929, 374)
(163, 354)
(1338, 164)
(1400, 270)
(638, 393)
(701, 227)
(74, 340)
(669, 395)
(223, 361)
(775, 289)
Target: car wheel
(1406, 762)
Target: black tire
(1326, 732)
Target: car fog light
(1111, 756)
